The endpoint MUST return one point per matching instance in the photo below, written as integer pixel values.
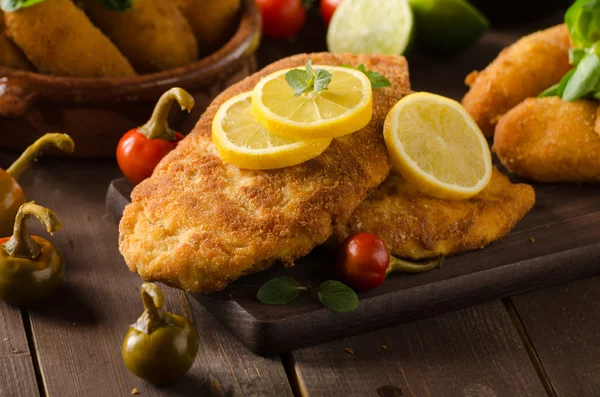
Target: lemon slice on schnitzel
(241, 140)
(343, 107)
(434, 143)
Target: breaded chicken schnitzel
(417, 226)
(522, 70)
(199, 223)
(550, 140)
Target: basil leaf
(299, 81)
(14, 5)
(338, 296)
(117, 5)
(583, 22)
(322, 80)
(279, 291)
(551, 91)
(584, 79)
(564, 81)
(576, 55)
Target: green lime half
(371, 27)
(447, 26)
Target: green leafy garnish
(338, 296)
(377, 80)
(117, 5)
(305, 81)
(583, 81)
(14, 5)
(279, 291)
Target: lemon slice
(241, 140)
(436, 145)
(344, 107)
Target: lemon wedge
(434, 143)
(241, 140)
(344, 107)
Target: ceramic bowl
(96, 112)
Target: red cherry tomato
(282, 19)
(328, 7)
(363, 261)
(138, 156)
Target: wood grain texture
(17, 376)
(472, 352)
(563, 327)
(78, 332)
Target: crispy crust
(520, 71)
(199, 224)
(417, 226)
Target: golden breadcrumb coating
(11, 56)
(153, 35)
(59, 39)
(199, 223)
(417, 226)
(522, 70)
(549, 140)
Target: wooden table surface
(542, 343)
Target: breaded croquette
(59, 39)
(211, 20)
(550, 140)
(523, 70)
(154, 35)
(416, 226)
(11, 56)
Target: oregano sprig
(305, 81)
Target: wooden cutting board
(565, 225)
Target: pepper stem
(154, 315)
(31, 154)
(403, 266)
(158, 125)
(21, 244)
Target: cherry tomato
(363, 261)
(328, 8)
(138, 156)
(282, 19)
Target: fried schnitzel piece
(154, 35)
(523, 70)
(417, 226)
(550, 140)
(59, 39)
(199, 223)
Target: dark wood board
(563, 328)
(565, 224)
(472, 352)
(78, 332)
(17, 376)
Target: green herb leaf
(377, 80)
(338, 296)
(14, 5)
(558, 89)
(550, 91)
(306, 80)
(584, 80)
(583, 22)
(298, 80)
(117, 5)
(576, 55)
(279, 291)
(322, 80)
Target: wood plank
(473, 352)
(563, 326)
(78, 332)
(17, 376)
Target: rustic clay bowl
(96, 112)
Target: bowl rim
(244, 42)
